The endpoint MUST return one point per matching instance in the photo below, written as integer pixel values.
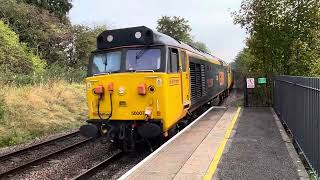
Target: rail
(6, 156)
(42, 158)
(90, 172)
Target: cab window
(184, 61)
(143, 59)
(106, 62)
(173, 63)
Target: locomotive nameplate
(221, 78)
(174, 81)
(210, 82)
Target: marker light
(109, 38)
(142, 89)
(138, 35)
(98, 90)
(110, 88)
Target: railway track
(103, 164)
(19, 160)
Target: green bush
(15, 57)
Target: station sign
(250, 83)
(262, 80)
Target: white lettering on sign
(250, 83)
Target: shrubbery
(43, 61)
(20, 66)
(15, 57)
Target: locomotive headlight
(121, 91)
(109, 38)
(138, 35)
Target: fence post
(245, 92)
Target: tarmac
(257, 150)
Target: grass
(312, 175)
(33, 111)
(239, 102)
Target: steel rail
(88, 173)
(42, 158)
(7, 156)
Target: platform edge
(214, 164)
(127, 174)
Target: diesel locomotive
(142, 84)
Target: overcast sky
(210, 20)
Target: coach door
(184, 75)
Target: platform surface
(255, 150)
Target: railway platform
(225, 143)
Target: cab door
(184, 75)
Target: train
(143, 86)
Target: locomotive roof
(144, 36)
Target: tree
(199, 45)
(15, 57)
(179, 29)
(59, 8)
(84, 43)
(40, 30)
(284, 34)
(244, 63)
(176, 27)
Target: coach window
(173, 64)
(184, 61)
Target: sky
(210, 20)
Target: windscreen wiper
(141, 53)
(105, 63)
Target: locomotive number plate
(137, 113)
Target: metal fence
(297, 101)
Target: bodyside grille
(198, 80)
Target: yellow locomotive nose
(134, 96)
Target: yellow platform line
(214, 164)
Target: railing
(297, 101)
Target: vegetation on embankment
(43, 59)
(37, 110)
